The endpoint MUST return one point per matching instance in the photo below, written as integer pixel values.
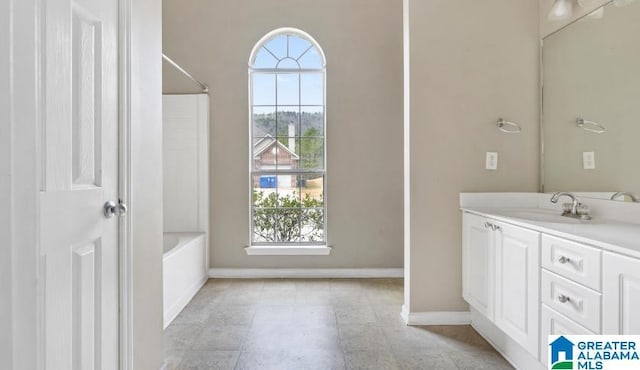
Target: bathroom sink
(541, 215)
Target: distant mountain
(268, 124)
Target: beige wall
(547, 27)
(362, 40)
(470, 63)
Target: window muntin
(287, 84)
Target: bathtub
(184, 265)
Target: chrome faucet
(634, 198)
(574, 201)
(575, 211)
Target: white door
(620, 294)
(518, 284)
(478, 260)
(79, 249)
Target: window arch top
(287, 49)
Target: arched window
(287, 125)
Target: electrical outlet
(492, 161)
(589, 160)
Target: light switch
(589, 160)
(492, 161)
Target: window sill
(289, 250)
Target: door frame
(20, 173)
(126, 341)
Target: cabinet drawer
(572, 300)
(572, 260)
(552, 323)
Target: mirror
(591, 104)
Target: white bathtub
(184, 264)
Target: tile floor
(315, 324)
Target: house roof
(266, 142)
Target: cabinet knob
(563, 298)
(564, 260)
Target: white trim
(251, 71)
(7, 197)
(436, 318)
(21, 47)
(288, 250)
(313, 273)
(285, 31)
(404, 313)
(204, 104)
(125, 335)
(406, 137)
(175, 310)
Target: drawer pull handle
(564, 260)
(563, 298)
(487, 225)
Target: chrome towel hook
(590, 126)
(508, 127)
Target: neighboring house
(270, 154)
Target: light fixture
(561, 9)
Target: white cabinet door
(478, 264)
(79, 247)
(620, 294)
(518, 284)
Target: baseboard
(436, 318)
(175, 310)
(312, 273)
(515, 354)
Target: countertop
(606, 234)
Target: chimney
(292, 137)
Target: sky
(293, 89)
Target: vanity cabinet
(528, 272)
(530, 284)
(478, 264)
(621, 294)
(570, 290)
(517, 297)
(501, 268)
